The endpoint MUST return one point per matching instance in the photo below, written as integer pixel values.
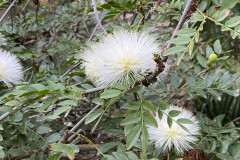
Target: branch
(97, 17)
(83, 119)
(181, 21)
(71, 69)
(93, 90)
(6, 12)
(160, 61)
(93, 32)
(7, 114)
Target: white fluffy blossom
(166, 138)
(10, 68)
(120, 57)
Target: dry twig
(97, 17)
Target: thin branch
(182, 20)
(97, 17)
(55, 37)
(74, 135)
(6, 12)
(83, 119)
(71, 69)
(7, 114)
(93, 90)
(26, 5)
(33, 69)
(93, 32)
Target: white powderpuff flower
(166, 138)
(120, 57)
(10, 68)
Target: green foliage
(55, 94)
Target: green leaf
(2, 154)
(233, 21)
(174, 113)
(110, 93)
(224, 156)
(201, 60)
(214, 94)
(224, 146)
(186, 32)
(169, 121)
(132, 106)
(196, 38)
(197, 16)
(149, 119)
(190, 49)
(131, 118)
(144, 156)
(132, 156)
(202, 6)
(231, 92)
(59, 147)
(209, 51)
(225, 80)
(109, 157)
(54, 137)
(133, 136)
(160, 114)
(236, 151)
(148, 105)
(70, 153)
(144, 139)
(217, 47)
(43, 129)
(61, 110)
(107, 146)
(185, 121)
(163, 106)
(128, 128)
(16, 152)
(120, 155)
(174, 50)
(52, 86)
(221, 15)
(175, 80)
(92, 116)
(55, 156)
(183, 127)
(228, 4)
(209, 79)
(191, 80)
(180, 40)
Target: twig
(160, 61)
(7, 114)
(93, 32)
(83, 119)
(6, 12)
(97, 17)
(93, 90)
(71, 69)
(235, 120)
(87, 147)
(86, 27)
(33, 69)
(26, 5)
(55, 37)
(181, 21)
(74, 135)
